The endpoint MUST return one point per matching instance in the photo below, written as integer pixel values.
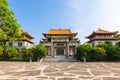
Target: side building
(23, 42)
(101, 35)
(60, 42)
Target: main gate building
(60, 42)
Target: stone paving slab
(59, 71)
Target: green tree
(9, 27)
(117, 36)
(25, 52)
(35, 54)
(102, 44)
(118, 44)
(3, 36)
(86, 51)
(12, 52)
(1, 51)
(113, 53)
(109, 43)
(83, 50)
(26, 55)
(40, 51)
(97, 54)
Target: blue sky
(82, 16)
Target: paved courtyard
(59, 71)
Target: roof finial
(98, 27)
(59, 28)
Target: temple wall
(59, 39)
(73, 44)
(47, 43)
(98, 41)
(24, 44)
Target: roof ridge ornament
(98, 27)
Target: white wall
(98, 41)
(24, 44)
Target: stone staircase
(60, 59)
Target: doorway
(60, 52)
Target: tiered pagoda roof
(101, 31)
(26, 34)
(26, 37)
(96, 35)
(60, 32)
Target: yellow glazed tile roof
(22, 32)
(60, 31)
(101, 31)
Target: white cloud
(84, 16)
(110, 12)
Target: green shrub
(1, 51)
(26, 55)
(40, 51)
(96, 54)
(83, 50)
(12, 52)
(26, 58)
(118, 44)
(3, 59)
(16, 59)
(26, 52)
(102, 44)
(109, 43)
(113, 53)
(35, 55)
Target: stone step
(60, 59)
